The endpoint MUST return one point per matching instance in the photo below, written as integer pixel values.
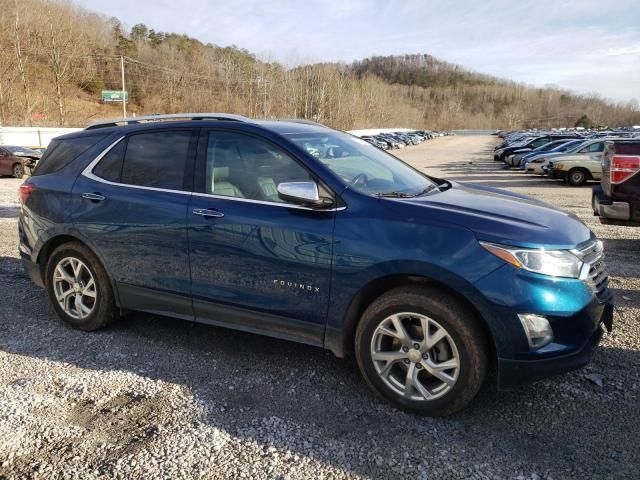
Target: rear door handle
(208, 213)
(94, 197)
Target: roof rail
(298, 120)
(114, 122)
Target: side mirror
(302, 193)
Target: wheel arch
(379, 286)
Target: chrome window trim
(264, 202)
(88, 173)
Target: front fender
(399, 241)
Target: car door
(131, 206)
(257, 263)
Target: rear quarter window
(61, 153)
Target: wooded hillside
(55, 58)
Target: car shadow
(497, 174)
(493, 174)
(9, 212)
(243, 378)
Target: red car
(617, 199)
(17, 160)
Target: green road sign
(114, 96)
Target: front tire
(435, 374)
(17, 170)
(577, 177)
(79, 288)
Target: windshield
(362, 166)
(21, 151)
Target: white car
(538, 165)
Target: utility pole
(124, 92)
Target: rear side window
(157, 159)
(110, 167)
(61, 153)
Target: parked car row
(612, 159)
(394, 140)
(574, 158)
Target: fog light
(537, 328)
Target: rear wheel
(421, 350)
(577, 177)
(17, 170)
(79, 288)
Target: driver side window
(596, 147)
(243, 166)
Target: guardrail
(31, 136)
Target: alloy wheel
(74, 288)
(18, 170)
(415, 356)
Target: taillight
(624, 167)
(24, 191)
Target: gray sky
(585, 46)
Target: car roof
(282, 127)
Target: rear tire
(415, 374)
(79, 288)
(577, 177)
(17, 170)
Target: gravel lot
(159, 398)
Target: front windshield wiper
(397, 194)
(426, 190)
(393, 194)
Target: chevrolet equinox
(292, 229)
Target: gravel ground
(159, 398)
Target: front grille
(594, 270)
(598, 279)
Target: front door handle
(94, 197)
(208, 213)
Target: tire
(17, 170)
(577, 177)
(441, 310)
(102, 306)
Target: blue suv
(298, 231)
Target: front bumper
(575, 308)
(514, 373)
(554, 173)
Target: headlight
(556, 263)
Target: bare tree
(62, 43)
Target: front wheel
(18, 170)
(577, 177)
(421, 350)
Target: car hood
(500, 216)
(24, 155)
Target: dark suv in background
(291, 229)
(617, 199)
